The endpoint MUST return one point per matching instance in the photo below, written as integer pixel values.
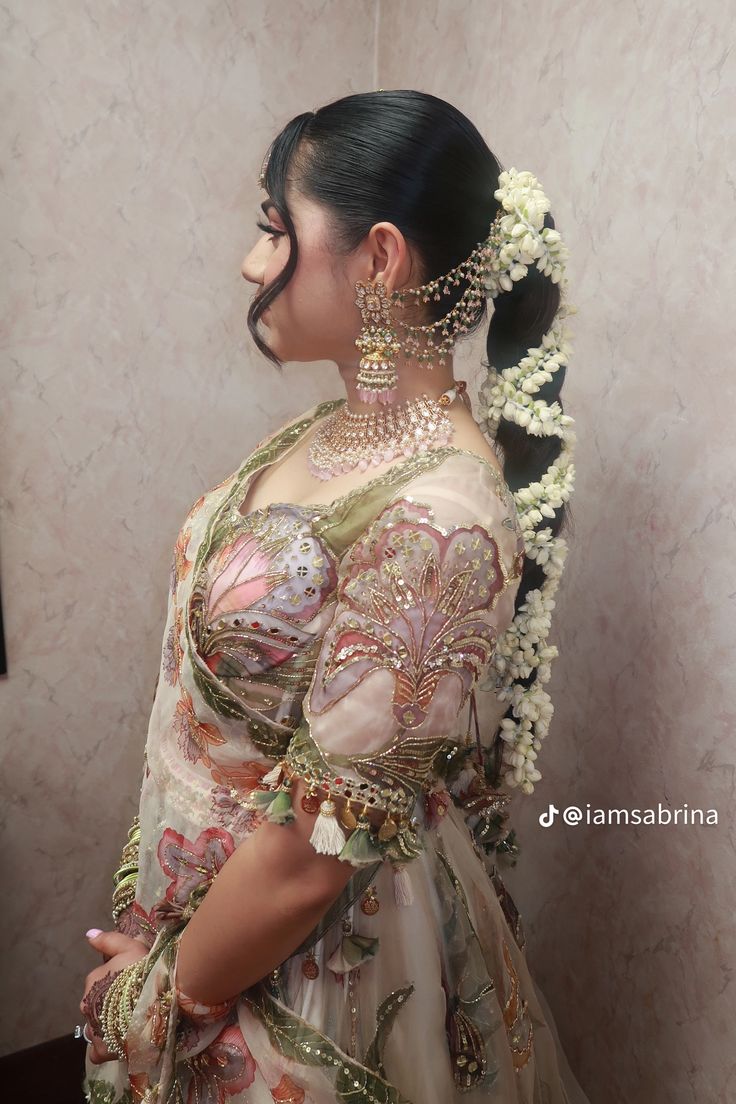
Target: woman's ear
(389, 257)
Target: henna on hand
(92, 1003)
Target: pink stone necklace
(347, 440)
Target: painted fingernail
(93, 933)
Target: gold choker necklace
(347, 440)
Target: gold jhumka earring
(377, 379)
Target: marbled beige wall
(625, 112)
(133, 137)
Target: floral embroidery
(244, 776)
(195, 508)
(192, 868)
(156, 1017)
(172, 657)
(140, 1083)
(224, 1069)
(510, 911)
(234, 783)
(256, 591)
(417, 588)
(103, 1092)
(413, 601)
(195, 737)
(180, 565)
(136, 922)
(516, 1016)
(288, 1092)
(203, 1014)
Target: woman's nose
(251, 268)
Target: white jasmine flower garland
(524, 240)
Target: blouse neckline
(440, 453)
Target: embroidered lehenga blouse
(341, 644)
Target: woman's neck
(414, 380)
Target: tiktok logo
(547, 819)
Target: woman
(308, 908)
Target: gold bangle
(125, 878)
(123, 895)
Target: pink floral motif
(414, 601)
(244, 776)
(224, 1068)
(248, 607)
(242, 573)
(192, 868)
(226, 809)
(195, 736)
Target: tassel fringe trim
(403, 894)
(364, 845)
(327, 836)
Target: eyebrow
(266, 204)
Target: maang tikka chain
(377, 379)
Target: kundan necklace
(347, 440)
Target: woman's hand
(118, 950)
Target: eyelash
(270, 229)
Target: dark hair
(413, 159)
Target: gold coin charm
(310, 802)
(388, 829)
(347, 816)
(370, 903)
(310, 966)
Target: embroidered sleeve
(420, 604)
